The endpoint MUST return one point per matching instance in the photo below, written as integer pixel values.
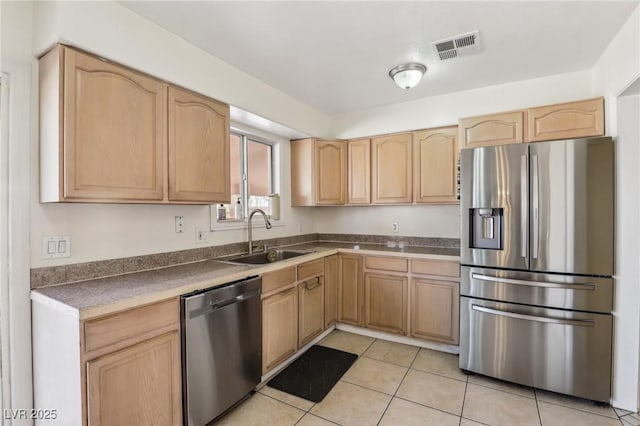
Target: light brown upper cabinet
(198, 148)
(392, 169)
(104, 138)
(492, 129)
(435, 159)
(566, 120)
(102, 131)
(318, 172)
(359, 171)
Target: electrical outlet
(395, 227)
(179, 224)
(202, 235)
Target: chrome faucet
(249, 227)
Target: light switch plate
(55, 246)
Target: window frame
(246, 137)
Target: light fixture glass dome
(408, 75)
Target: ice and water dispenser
(486, 228)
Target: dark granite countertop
(95, 297)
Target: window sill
(233, 224)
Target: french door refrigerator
(537, 263)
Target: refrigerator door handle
(563, 286)
(535, 204)
(579, 323)
(524, 189)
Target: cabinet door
(279, 328)
(391, 169)
(434, 310)
(567, 120)
(330, 172)
(386, 302)
(359, 171)
(436, 166)
(114, 132)
(310, 309)
(139, 385)
(198, 148)
(493, 129)
(330, 290)
(350, 287)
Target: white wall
(445, 110)
(102, 231)
(617, 69)
(16, 315)
(420, 221)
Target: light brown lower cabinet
(310, 309)
(350, 289)
(330, 290)
(386, 302)
(279, 328)
(137, 385)
(435, 309)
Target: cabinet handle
(311, 284)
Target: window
(251, 169)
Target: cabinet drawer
(132, 325)
(396, 264)
(435, 267)
(310, 269)
(276, 279)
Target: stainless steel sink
(262, 258)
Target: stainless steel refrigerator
(536, 286)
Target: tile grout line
(464, 397)
(286, 403)
(535, 397)
(503, 390)
(577, 409)
(399, 384)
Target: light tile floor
(396, 385)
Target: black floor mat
(314, 374)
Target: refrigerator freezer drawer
(549, 290)
(560, 351)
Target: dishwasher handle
(222, 303)
(215, 305)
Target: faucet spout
(267, 224)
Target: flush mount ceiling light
(408, 75)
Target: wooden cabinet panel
(310, 309)
(386, 263)
(330, 172)
(492, 129)
(359, 171)
(392, 174)
(435, 165)
(309, 269)
(318, 172)
(198, 148)
(302, 179)
(350, 288)
(435, 310)
(566, 120)
(281, 278)
(139, 385)
(330, 290)
(126, 327)
(279, 328)
(448, 268)
(102, 130)
(386, 302)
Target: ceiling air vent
(460, 45)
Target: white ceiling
(335, 56)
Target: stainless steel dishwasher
(221, 348)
